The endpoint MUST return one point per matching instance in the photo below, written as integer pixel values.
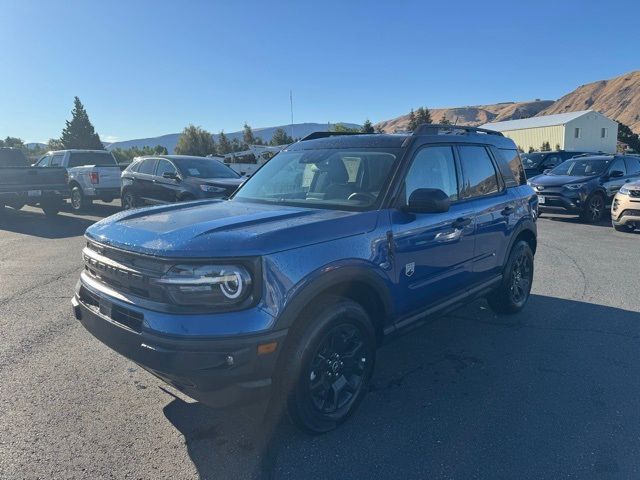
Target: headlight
(574, 186)
(207, 285)
(211, 189)
(623, 191)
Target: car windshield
(342, 179)
(582, 167)
(203, 168)
(532, 160)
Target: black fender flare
(526, 225)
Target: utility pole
(291, 103)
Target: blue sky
(146, 68)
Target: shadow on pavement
(605, 222)
(32, 221)
(551, 392)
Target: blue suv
(286, 289)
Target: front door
(165, 189)
(433, 251)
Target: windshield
(342, 179)
(532, 160)
(581, 168)
(203, 168)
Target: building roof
(536, 122)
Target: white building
(585, 131)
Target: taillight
(95, 178)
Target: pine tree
(531, 149)
(367, 127)
(237, 145)
(558, 147)
(546, 147)
(444, 121)
(195, 141)
(224, 145)
(79, 132)
(413, 122)
(280, 137)
(247, 135)
(423, 116)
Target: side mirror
(428, 200)
(616, 174)
(170, 175)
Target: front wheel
(79, 202)
(329, 365)
(594, 209)
(513, 292)
(129, 201)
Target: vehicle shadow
(469, 395)
(32, 221)
(605, 222)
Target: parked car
(91, 174)
(22, 184)
(625, 209)
(536, 163)
(176, 178)
(585, 185)
(289, 287)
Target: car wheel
(51, 207)
(594, 209)
(623, 228)
(329, 365)
(79, 202)
(513, 292)
(129, 201)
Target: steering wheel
(362, 196)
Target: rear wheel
(79, 202)
(513, 292)
(129, 201)
(329, 365)
(594, 209)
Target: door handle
(508, 211)
(460, 223)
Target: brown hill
(618, 98)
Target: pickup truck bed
(21, 184)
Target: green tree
(342, 128)
(79, 132)
(443, 120)
(247, 135)
(558, 147)
(55, 144)
(546, 147)
(12, 142)
(224, 145)
(367, 127)
(126, 155)
(280, 137)
(195, 141)
(531, 149)
(626, 136)
(423, 116)
(237, 145)
(413, 121)
(520, 149)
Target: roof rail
(436, 128)
(314, 135)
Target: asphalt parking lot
(550, 393)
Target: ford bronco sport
(287, 288)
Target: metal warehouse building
(587, 131)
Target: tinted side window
(511, 167)
(633, 165)
(552, 161)
(44, 161)
(618, 164)
(433, 167)
(148, 166)
(56, 160)
(478, 172)
(164, 166)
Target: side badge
(409, 268)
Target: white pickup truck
(91, 174)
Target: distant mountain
(170, 141)
(617, 98)
(34, 145)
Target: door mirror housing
(428, 200)
(171, 175)
(616, 174)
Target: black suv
(176, 178)
(585, 185)
(536, 163)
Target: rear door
(143, 180)
(484, 191)
(433, 251)
(633, 168)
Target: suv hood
(559, 180)
(214, 228)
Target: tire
(129, 201)
(514, 290)
(327, 365)
(594, 209)
(623, 228)
(79, 202)
(51, 208)
(107, 199)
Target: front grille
(634, 193)
(630, 213)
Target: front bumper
(558, 203)
(626, 217)
(215, 371)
